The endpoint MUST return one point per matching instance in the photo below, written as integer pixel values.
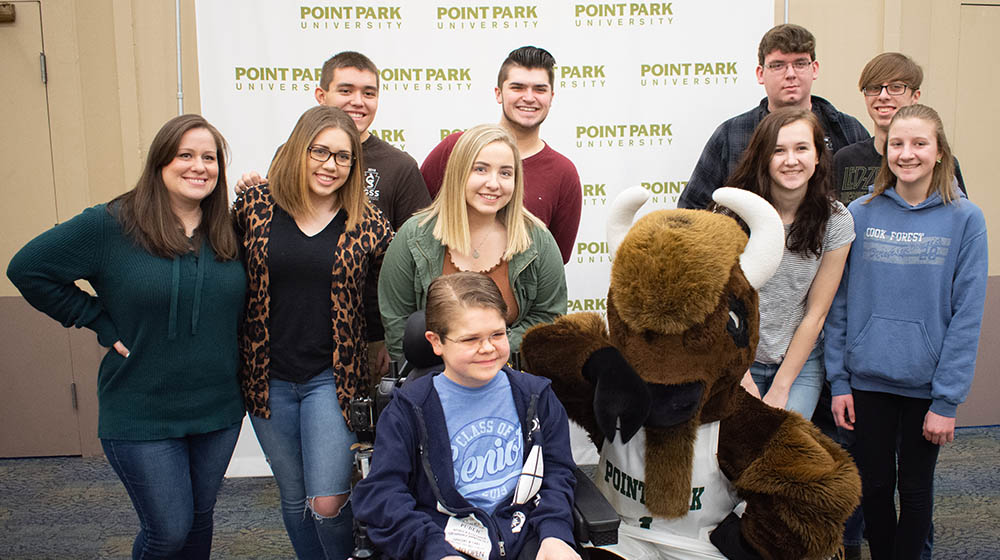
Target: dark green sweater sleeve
(46, 268)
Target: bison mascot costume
(695, 466)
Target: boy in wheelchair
(475, 461)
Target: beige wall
(113, 81)
(956, 44)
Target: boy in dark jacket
(475, 460)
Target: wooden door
(37, 401)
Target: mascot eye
(737, 324)
(734, 321)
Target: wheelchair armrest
(594, 520)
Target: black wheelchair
(595, 522)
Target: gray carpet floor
(72, 507)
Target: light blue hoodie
(907, 314)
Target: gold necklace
(475, 250)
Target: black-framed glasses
(319, 153)
(799, 65)
(891, 89)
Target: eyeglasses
(471, 343)
(892, 89)
(319, 153)
(800, 65)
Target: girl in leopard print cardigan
(313, 247)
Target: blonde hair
(450, 206)
(289, 179)
(944, 171)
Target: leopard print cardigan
(353, 283)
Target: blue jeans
(308, 446)
(173, 483)
(804, 392)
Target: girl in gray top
(788, 164)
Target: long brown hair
(290, 180)
(944, 171)
(145, 212)
(753, 174)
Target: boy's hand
(453, 558)
(555, 549)
(247, 180)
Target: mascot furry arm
(682, 328)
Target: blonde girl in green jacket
(476, 223)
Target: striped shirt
(783, 297)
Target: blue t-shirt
(485, 435)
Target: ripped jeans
(307, 444)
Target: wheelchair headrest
(416, 349)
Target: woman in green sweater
(163, 260)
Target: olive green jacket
(415, 258)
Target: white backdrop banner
(639, 86)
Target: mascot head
(682, 305)
(682, 310)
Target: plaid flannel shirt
(726, 145)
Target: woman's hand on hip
(120, 348)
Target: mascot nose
(673, 404)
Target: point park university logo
(347, 18)
(679, 74)
(426, 79)
(275, 78)
(634, 135)
(623, 14)
(486, 18)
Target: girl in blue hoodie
(902, 334)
